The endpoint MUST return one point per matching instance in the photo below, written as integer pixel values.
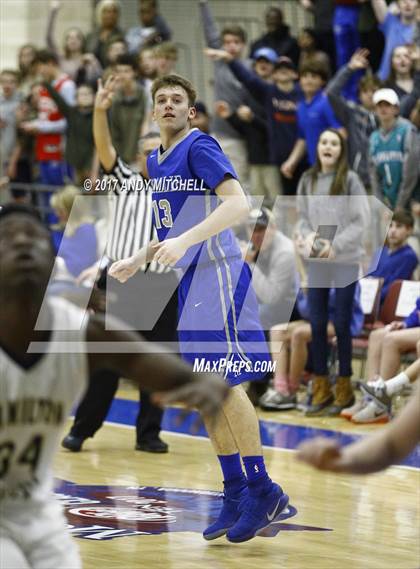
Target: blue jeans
(334, 275)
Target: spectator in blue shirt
(280, 99)
(314, 115)
(264, 61)
(397, 260)
(397, 29)
(413, 319)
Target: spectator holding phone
(333, 214)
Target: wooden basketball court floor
(130, 509)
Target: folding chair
(371, 288)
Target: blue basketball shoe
(229, 515)
(257, 513)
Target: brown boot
(344, 396)
(322, 395)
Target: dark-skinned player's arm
(169, 376)
(373, 453)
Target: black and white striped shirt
(130, 214)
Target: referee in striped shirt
(136, 302)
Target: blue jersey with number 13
(184, 178)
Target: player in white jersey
(38, 389)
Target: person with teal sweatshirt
(393, 153)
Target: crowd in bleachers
(331, 113)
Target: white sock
(377, 381)
(396, 384)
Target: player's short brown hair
(234, 30)
(174, 81)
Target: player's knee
(301, 334)
(376, 336)
(278, 332)
(418, 349)
(391, 339)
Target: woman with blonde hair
(77, 241)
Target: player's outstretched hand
(124, 269)
(322, 453)
(169, 252)
(206, 394)
(105, 93)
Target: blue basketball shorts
(219, 328)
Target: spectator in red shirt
(50, 125)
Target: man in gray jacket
(271, 256)
(227, 88)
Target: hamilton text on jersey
(31, 411)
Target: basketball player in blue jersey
(197, 199)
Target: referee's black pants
(129, 304)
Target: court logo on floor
(108, 512)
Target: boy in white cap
(393, 152)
